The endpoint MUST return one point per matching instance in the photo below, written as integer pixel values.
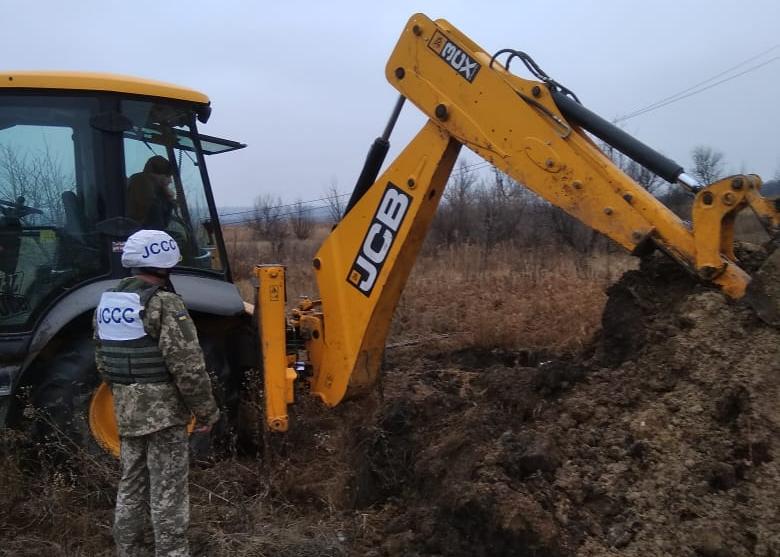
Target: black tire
(226, 387)
(63, 380)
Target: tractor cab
(73, 185)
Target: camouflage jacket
(143, 408)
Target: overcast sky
(302, 83)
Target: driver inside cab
(150, 200)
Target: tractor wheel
(226, 388)
(63, 381)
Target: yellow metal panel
(278, 377)
(99, 82)
(363, 265)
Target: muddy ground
(660, 439)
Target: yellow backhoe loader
(59, 247)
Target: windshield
(165, 189)
(49, 202)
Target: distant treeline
(485, 210)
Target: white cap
(150, 248)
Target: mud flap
(763, 292)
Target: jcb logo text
(379, 239)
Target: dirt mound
(661, 440)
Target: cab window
(165, 190)
(49, 203)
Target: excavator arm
(534, 131)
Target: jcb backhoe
(59, 246)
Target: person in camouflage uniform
(148, 352)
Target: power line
(245, 211)
(276, 216)
(696, 88)
(724, 72)
(469, 168)
(757, 66)
(650, 109)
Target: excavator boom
(534, 131)
(518, 126)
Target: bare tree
(461, 185)
(301, 221)
(500, 206)
(573, 232)
(38, 178)
(269, 223)
(336, 205)
(707, 164)
(454, 221)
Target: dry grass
(65, 509)
(239, 509)
(245, 252)
(539, 299)
(57, 499)
(525, 299)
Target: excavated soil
(662, 439)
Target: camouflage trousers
(154, 482)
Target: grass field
(543, 298)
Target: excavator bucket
(763, 292)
